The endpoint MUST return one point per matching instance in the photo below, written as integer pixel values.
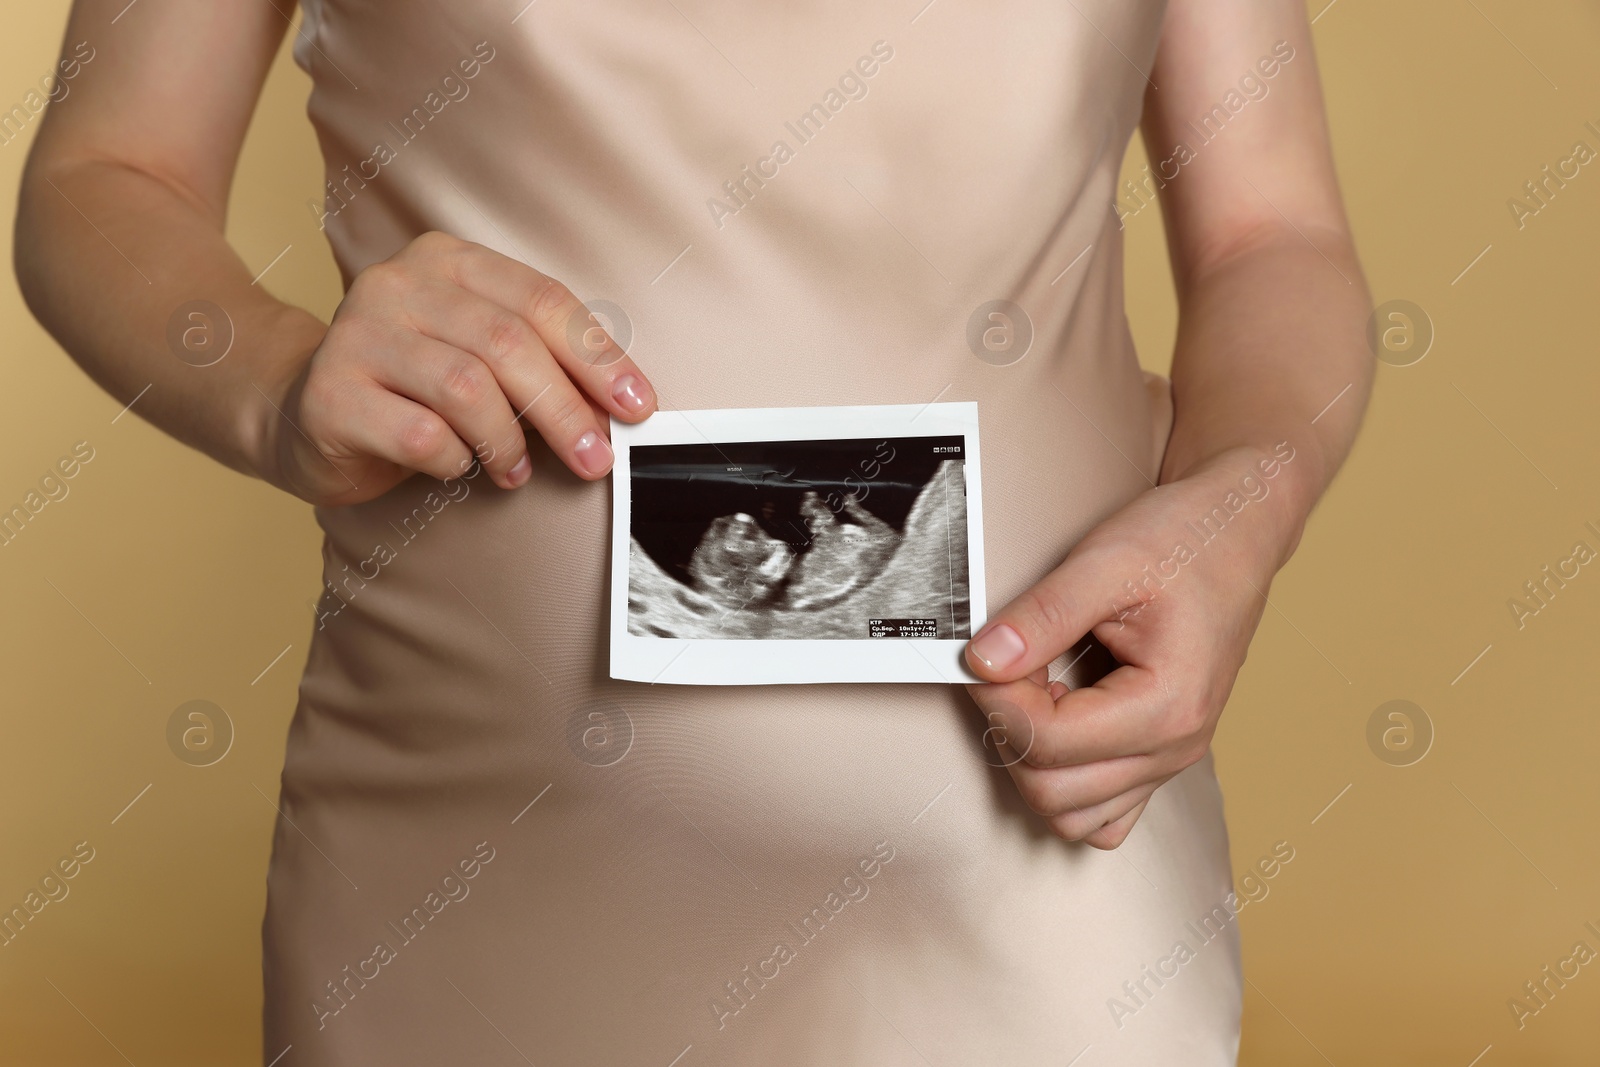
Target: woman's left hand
(1176, 610)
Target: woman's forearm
(1271, 348)
(107, 255)
(440, 357)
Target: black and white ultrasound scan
(820, 544)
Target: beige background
(1416, 905)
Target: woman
(488, 851)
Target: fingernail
(521, 472)
(999, 647)
(631, 393)
(594, 455)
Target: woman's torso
(678, 836)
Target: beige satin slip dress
(491, 853)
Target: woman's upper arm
(168, 89)
(1236, 132)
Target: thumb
(1046, 620)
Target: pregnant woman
(490, 853)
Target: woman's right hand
(433, 359)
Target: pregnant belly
(460, 655)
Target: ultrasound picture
(840, 539)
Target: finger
(1114, 833)
(390, 427)
(1065, 791)
(461, 389)
(576, 338)
(1053, 615)
(528, 375)
(1098, 822)
(1120, 715)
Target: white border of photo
(676, 661)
